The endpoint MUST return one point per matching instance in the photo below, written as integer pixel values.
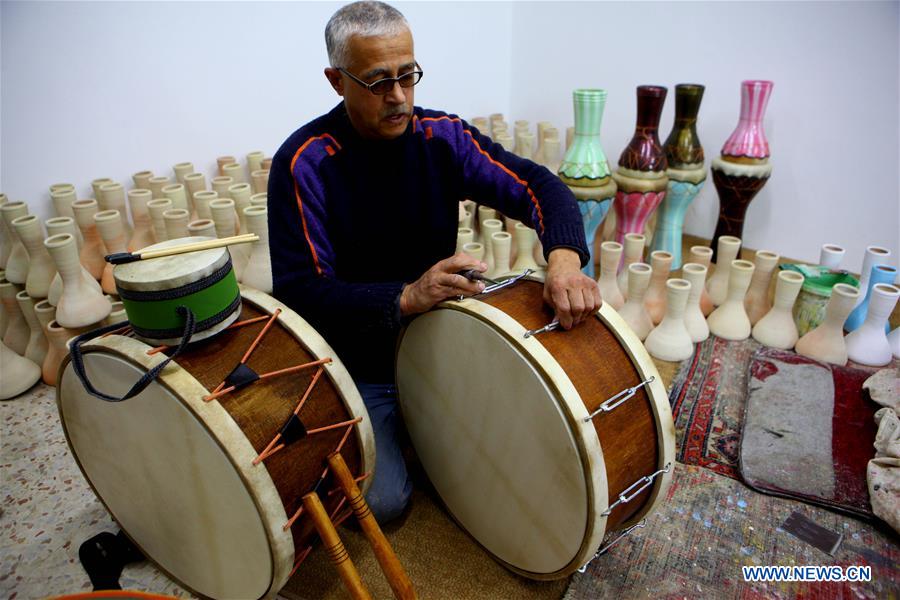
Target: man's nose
(396, 95)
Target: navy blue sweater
(351, 221)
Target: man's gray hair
(367, 19)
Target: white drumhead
(495, 441)
(170, 484)
(169, 272)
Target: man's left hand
(572, 294)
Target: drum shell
(242, 423)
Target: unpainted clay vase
(80, 305)
(868, 344)
(240, 193)
(45, 312)
(143, 235)
(182, 170)
(525, 239)
(97, 184)
(93, 250)
(17, 262)
(894, 341)
(157, 208)
(109, 225)
(826, 342)
(610, 255)
(262, 199)
(831, 256)
(40, 268)
(56, 226)
(36, 349)
(112, 197)
(488, 228)
(464, 235)
(19, 373)
(5, 236)
(633, 253)
(874, 255)
(176, 193)
(255, 160)
(17, 334)
(475, 250)
(116, 315)
(702, 255)
(730, 320)
(717, 284)
(221, 184)
(226, 226)
(202, 228)
(193, 183)
(694, 319)
(63, 196)
(235, 171)
(670, 340)
(58, 338)
(655, 298)
(142, 180)
(4, 320)
(221, 161)
(633, 311)
(177, 220)
(777, 328)
(258, 272)
(501, 243)
(157, 184)
(260, 178)
(757, 300)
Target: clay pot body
(54, 227)
(633, 311)
(45, 312)
(826, 342)
(240, 193)
(58, 337)
(730, 320)
(702, 255)
(143, 235)
(258, 272)
(19, 373)
(157, 208)
(526, 239)
(868, 344)
(874, 255)
(109, 225)
(112, 197)
(464, 235)
(717, 284)
(831, 256)
(475, 250)
(226, 226)
(757, 300)
(17, 333)
(80, 304)
(40, 268)
(878, 274)
(776, 328)
(501, 243)
(202, 228)
(671, 340)
(610, 256)
(36, 349)
(488, 228)
(694, 319)
(177, 220)
(655, 298)
(17, 261)
(93, 250)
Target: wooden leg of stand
(390, 565)
(335, 548)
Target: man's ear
(335, 79)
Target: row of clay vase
(516, 250)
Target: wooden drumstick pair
(390, 565)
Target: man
(363, 209)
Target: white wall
(106, 89)
(832, 120)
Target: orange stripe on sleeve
(501, 166)
(300, 150)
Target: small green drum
(153, 289)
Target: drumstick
(335, 548)
(126, 257)
(390, 565)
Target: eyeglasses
(384, 86)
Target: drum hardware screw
(613, 402)
(643, 482)
(639, 525)
(551, 326)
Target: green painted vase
(585, 163)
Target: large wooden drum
(183, 475)
(539, 444)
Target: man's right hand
(441, 282)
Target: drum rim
(264, 494)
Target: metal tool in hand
(473, 275)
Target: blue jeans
(391, 487)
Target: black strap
(148, 377)
(104, 556)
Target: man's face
(373, 58)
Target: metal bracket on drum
(499, 286)
(643, 482)
(611, 403)
(551, 326)
(601, 551)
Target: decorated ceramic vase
(584, 167)
(686, 172)
(641, 176)
(743, 167)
